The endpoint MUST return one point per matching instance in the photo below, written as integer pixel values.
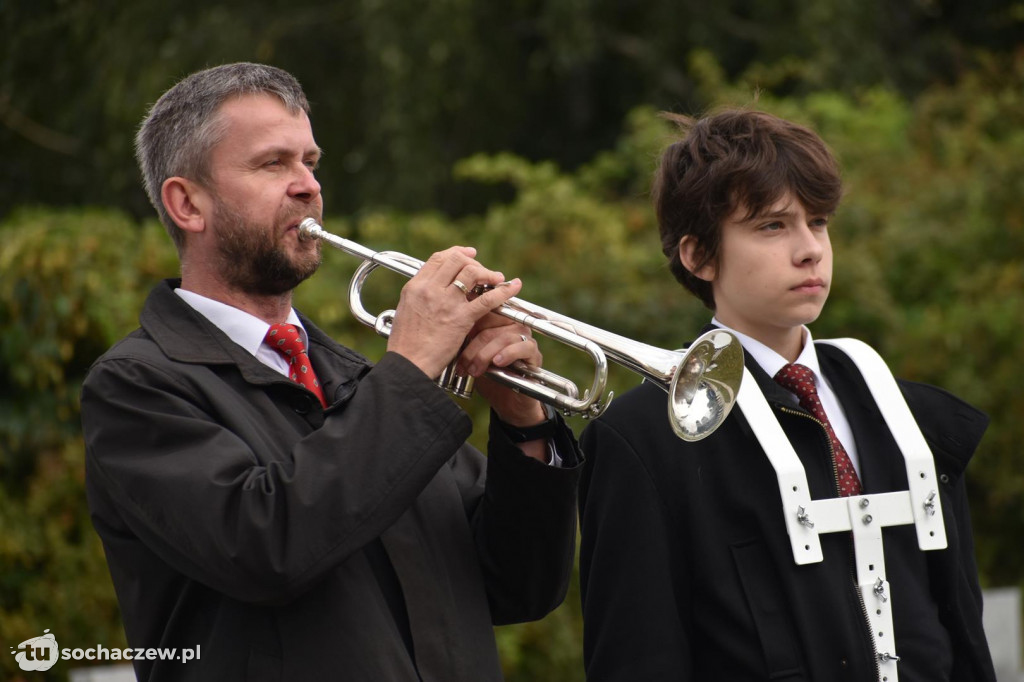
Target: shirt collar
(769, 360)
(248, 331)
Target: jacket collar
(185, 335)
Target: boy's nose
(809, 245)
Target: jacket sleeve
(522, 513)
(633, 582)
(261, 526)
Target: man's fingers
(500, 347)
(443, 265)
(494, 298)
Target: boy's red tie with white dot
(286, 340)
(800, 380)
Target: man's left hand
(498, 341)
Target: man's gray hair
(179, 131)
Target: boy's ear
(691, 254)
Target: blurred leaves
(401, 89)
(71, 283)
(529, 130)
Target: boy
(687, 570)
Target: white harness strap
(863, 515)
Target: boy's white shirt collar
(248, 331)
(769, 360)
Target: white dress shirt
(771, 362)
(248, 331)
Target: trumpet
(702, 381)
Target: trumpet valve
(460, 385)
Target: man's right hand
(434, 315)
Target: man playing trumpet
(273, 499)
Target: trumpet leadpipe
(536, 382)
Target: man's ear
(186, 202)
(691, 254)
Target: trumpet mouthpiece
(309, 229)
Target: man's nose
(305, 185)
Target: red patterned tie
(286, 340)
(800, 380)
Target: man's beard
(251, 260)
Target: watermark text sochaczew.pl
(42, 653)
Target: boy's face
(773, 273)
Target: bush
(929, 259)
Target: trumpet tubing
(702, 382)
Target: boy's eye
(772, 227)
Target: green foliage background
(529, 130)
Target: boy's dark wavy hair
(731, 159)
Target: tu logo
(38, 653)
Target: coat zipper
(853, 574)
(831, 450)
